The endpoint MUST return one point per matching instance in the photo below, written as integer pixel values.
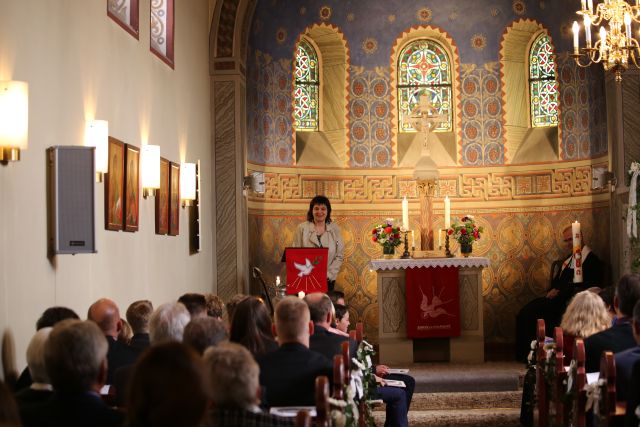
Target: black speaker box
(71, 200)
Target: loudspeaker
(72, 200)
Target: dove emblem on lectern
(304, 269)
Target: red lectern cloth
(306, 270)
(433, 302)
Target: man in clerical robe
(551, 306)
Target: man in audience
(619, 337)
(288, 374)
(168, 322)
(49, 318)
(235, 389)
(204, 332)
(337, 297)
(215, 306)
(106, 315)
(76, 361)
(633, 397)
(41, 389)
(138, 315)
(627, 358)
(329, 344)
(195, 303)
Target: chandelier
(615, 48)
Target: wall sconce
(14, 119)
(187, 183)
(96, 134)
(150, 169)
(254, 182)
(601, 178)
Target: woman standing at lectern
(318, 231)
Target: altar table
(395, 347)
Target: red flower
(397, 235)
(463, 231)
(374, 238)
(388, 230)
(450, 231)
(374, 231)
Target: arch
(329, 145)
(523, 143)
(405, 152)
(543, 84)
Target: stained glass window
(307, 82)
(543, 87)
(424, 68)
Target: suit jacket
(119, 355)
(288, 375)
(633, 397)
(329, 344)
(29, 396)
(617, 338)
(139, 343)
(71, 410)
(305, 237)
(223, 417)
(624, 365)
(591, 276)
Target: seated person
(586, 315)
(195, 303)
(619, 337)
(289, 373)
(342, 318)
(251, 327)
(215, 306)
(552, 305)
(233, 377)
(138, 315)
(204, 332)
(41, 389)
(627, 358)
(76, 361)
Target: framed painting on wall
(174, 199)
(131, 188)
(162, 199)
(114, 187)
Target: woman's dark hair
(251, 326)
(53, 315)
(341, 310)
(319, 200)
(161, 371)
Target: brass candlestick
(447, 252)
(406, 254)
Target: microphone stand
(258, 275)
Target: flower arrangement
(466, 231)
(386, 234)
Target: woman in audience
(342, 318)
(586, 315)
(126, 333)
(168, 388)
(251, 327)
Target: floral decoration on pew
(632, 214)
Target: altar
(395, 346)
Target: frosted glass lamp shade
(96, 134)
(150, 166)
(188, 181)
(14, 114)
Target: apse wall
(523, 202)
(81, 65)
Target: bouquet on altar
(466, 231)
(386, 234)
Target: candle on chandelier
(405, 213)
(447, 212)
(603, 42)
(584, 4)
(590, 6)
(576, 33)
(587, 30)
(627, 26)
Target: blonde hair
(292, 319)
(586, 315)
(233, 376)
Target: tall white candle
(627, 26)
(576, 33)
(405, 213)
(603, 42)
(413, 240)
(447, 212)
(577, 252)
(584, 4)
(587, 30)
(590, 2)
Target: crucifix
(424, 118)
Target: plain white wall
(79, 65)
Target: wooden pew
(612, 411)
(542, 407)
(338, 377)
(359, 332)
(560, 376)
(577, 386)
(323, 414)
(303, 418)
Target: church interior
(218, 86)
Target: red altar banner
(433, 302)
(306, 270)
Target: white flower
(338, 403)
(635, 167)
(533, 344)
(301, 295)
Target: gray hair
(35, 356)
(167, 323)
(204, 332)
(233, 376)
(74, 355)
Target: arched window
(543, 87)
(424, 68)
(307, 82)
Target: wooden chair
(338, 377)
(323, 414)
(560, 376)
(612, 410)
(9, 370)
(541, 415)
(303, 418)
(577, 386)
(359, 332)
